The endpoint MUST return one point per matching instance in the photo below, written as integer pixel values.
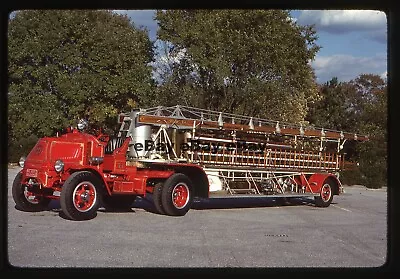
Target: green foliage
(337, 108)
(373, 163)
(65, 65)
(21, 147)
(351, 177)
(373, 154)
(359, 106)
(252, 62)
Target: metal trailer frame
(273, 165)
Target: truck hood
(49, 150)
(39, 152)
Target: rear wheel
(157, 194)
(25, 199)
(79, 198)
(326, 194)
(177, 195)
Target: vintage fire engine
(177, 154)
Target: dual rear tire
(174, 197)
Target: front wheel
(326, 195)
(177, 195)
(25, 199)
(79, 197)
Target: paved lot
(216, 233)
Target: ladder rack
(184, 117)
(272, 159)
(230, 140)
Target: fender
(93, 170)
(195, 173)
(317, 179)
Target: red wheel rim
(84, 196)
(31, 197)
(326, 192)
(180, 195)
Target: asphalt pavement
(217, 233)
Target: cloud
(347, 67)
(164, 59)
(372, 23)
(384, 75)
(342, 21)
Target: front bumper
(47, 178)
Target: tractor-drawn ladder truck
(177, 154)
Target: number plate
(31, 172)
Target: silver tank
(139, 134)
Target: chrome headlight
(59, 165)
(21, 162)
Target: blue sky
(353, 41)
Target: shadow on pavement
(203, 204)
(244, 202)
(228, 203)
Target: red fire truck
(177, 154)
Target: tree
(336, 108)
(253, 62)
(65, 65)
(372, 91)
(358, 106)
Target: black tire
(21, 200)
(326, 194)
(82, 206)
(157, 198)
(112, 203)
(177, 195)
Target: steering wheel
(102, 137)
(98, 133)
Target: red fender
(317, 179)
